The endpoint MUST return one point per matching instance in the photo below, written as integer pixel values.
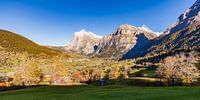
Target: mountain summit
(121, 41)
(190, 16)
(131, 42)
(83, 33)
(185, 34)
(145, 28)
(83, 42)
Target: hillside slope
(182, 36)
(185, 34)
(10, 41)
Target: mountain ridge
(129, 41)
(184, 34)
(119, 42)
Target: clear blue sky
(53, 22)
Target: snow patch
(83, 32)
(147, 29)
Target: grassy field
(103, 93)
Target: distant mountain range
(126, 42)
(183, 35)
(113, 45)
(131, 42)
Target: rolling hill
(10, 41)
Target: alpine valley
(129, 56)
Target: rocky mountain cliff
(83, 42)
(131, 42)
(183, 35)
(121, 41)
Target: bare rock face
(121, 41)
(183, 35)
(83, 42)
(190, 16)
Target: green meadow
(102, 93)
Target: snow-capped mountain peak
(83, 42)
(190, 16)
(130, 29)
(147, 29)
(182, 35)
(83, 33)
(127, 27)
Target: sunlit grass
(103, 93)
